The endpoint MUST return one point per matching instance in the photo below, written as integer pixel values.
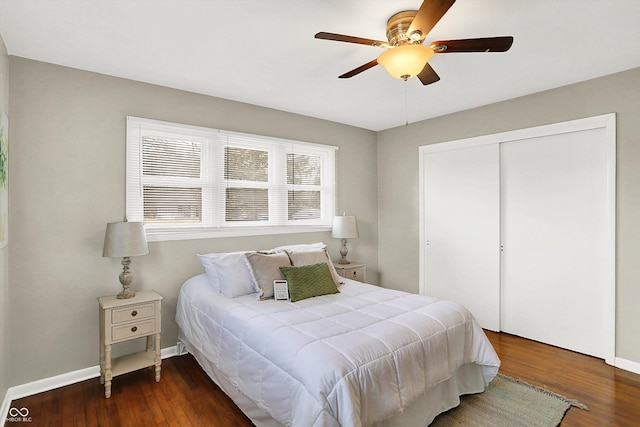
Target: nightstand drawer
(133, 330)
(354, 273)
(126, 314)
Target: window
(188, 182)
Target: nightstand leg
(101, 364)
(149, 343)
(107, 369)
(158, 359)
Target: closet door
(554, 233)
(461, 213)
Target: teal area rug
(508, 402)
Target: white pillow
(229, 273)
(301, 247)
(208, 262)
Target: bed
(361, 356)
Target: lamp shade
(344, 227)
(406, 60)
(125, 239)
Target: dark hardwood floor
(186, 397)
(612, 395)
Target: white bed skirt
(444, 396)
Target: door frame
(606, 122)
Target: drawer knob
(134, 313)
(135, 328)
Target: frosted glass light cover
(405, 60)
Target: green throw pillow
(309, 281)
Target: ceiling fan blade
(428, 75)
(428, 16)
(487, 44)
(351, 39)
(358, 70)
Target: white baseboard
(62, 380)
(627, 365)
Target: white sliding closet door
(461, 214)
(554, 233)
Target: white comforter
(350, 359)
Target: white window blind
(171, 171)
(189, 182)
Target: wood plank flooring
(186, 397)
(612, 395)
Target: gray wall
(4, 258)
(398, 179)
(67, 182)
(68, 172)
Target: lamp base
(126, 295)
(125, 279)
(343, 252)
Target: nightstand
(354, 270)
(127, 319)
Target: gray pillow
(300, 258)
(265, 269)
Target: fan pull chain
(406, 106)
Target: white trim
(627, 365)
(595, 122)
(609, 125)
(212, 183)
(606, 122)
(4, 409)
(46, 384)
(155, 235)
(168, 352)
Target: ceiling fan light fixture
(406, 60)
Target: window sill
(164, 235)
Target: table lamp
(344, 227)
(124, 240)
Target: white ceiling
(263, 52)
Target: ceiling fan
(406, 56)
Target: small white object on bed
(363, 356)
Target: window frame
(213, 183)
